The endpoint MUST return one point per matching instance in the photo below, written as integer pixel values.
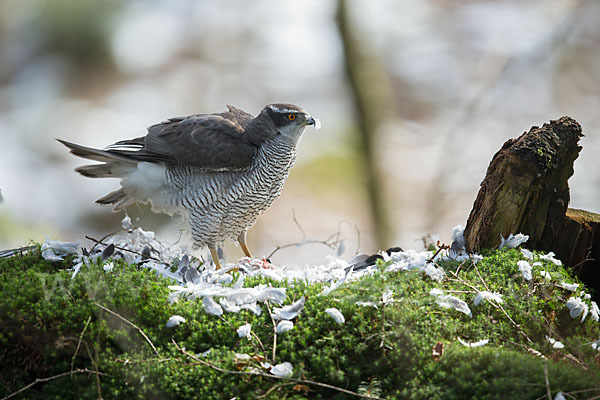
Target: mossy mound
(52, 324)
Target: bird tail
(119, 198)
(96, 154)
(114, 165)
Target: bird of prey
(221, 171)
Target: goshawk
(221, 171)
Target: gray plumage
(220, 170)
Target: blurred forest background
(415, 97)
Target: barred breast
(220, 205)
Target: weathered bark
(578, 245)
(526, 190)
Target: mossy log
(526, 190)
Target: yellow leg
(246, 250)
(215, 257)
(242, 242)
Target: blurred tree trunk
(373, 102)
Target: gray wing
(212, 141)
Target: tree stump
(526, 190)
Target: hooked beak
(313, 121)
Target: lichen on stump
(526, 190)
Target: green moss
(385, 349)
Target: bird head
(288, 120)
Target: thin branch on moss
(51, 378)
(547, 380)
(147, 360)
(79, 341)
(274, 330)
(247, 373)
(480, 277)
(89, 353)
(132, 324)
(274, 387)
(495, 304)
(259, 342)
(96, 368)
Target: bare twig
(12, 252)
(440, 248)
(51, 378)
(96, 368)
(582, 262)
(274, 330)
(298, 225)
(495, 304)
(156, 360)
(547, 380)
(382, 344)
(480, 277)
(131, 324)
(274, 387)
(332, 241)
(329, 242)
(248, 373)
(259, 342)
(79, 342)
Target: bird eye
(291, 117)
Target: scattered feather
(527, 254)
(274, 295)
(54, 250)
(211, 306)
(546, 275)
(244, 331)
(457, 248)
(594, 311)
(336, 315)
(175, 320)
(289, 312)
(480, 343)
(550, 257)
(577, 307)
(108, 267)
(387, 297)
(283, 369)
(569, 286)
(126, 222)
(228, 306)
(559, 396)
(284, 326)
(326, 291)
(525, 269)
(255, 308)
(555, 343)
(513, 241)
(317, 123)
(485, 295)
(447, 301)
